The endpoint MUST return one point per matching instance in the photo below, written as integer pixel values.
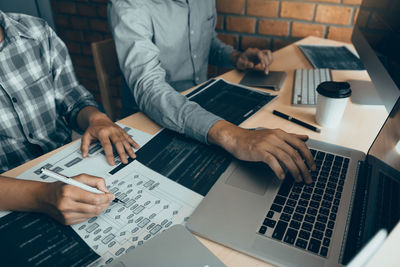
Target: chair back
(107, 68)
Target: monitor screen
(376, 37)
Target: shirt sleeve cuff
(199, 128)
(226, 56)
(82, 103)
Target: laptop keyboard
(304, 215)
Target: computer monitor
(376, 37)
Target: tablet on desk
(273, 80)
(173, 247)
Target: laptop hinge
(356, 220)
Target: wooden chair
(107, 69)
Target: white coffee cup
(332, 101)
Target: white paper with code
(153, 202)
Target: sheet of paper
(153, 202)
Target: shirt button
(194, 56)
(192, 32)
(30, 135)
(14, 100)
(197, 78)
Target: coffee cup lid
(334, 89)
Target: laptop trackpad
(254, 177)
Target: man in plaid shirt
(40, 102)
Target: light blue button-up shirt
(164, 47)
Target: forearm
(21, 195)
(88, 115)
(234, 57)
(220, 53)
(174, 111)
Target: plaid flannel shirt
(40, 96)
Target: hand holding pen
(68, 180)
(70, 205)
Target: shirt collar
(12, 28)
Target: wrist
(42, 197)
(22, 195)
(95, 116)
(234, 57)
(87, 116)
(225, 135)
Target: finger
(74, 218)
(128, 149)
(300, 146)
(288, 162)
(92, 199)
(249, 65)
(264, 61)
(128, 144)
(117, 141)
(302, 137)
(274, 164)
(131, 141)
(245, 64)
(85, 143)
(298, 161)
(84, 209)
(105, 142)
(80, 212)
(270, 56)
(266, 70)
(93, 181)
(69, 218)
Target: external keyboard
(304, 215)
(305, 85)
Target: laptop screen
(386, 146)
(383, 203)
(377, 199)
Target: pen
(68, 180)
(299, 122)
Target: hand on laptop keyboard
(275, 147)
(303, 215)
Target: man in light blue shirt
(164, 47)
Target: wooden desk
(357, 130)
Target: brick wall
(266, 24)
(272, 24)
(79, 23)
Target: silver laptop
(322, 224)
(173, 247)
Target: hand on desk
(70, 205)
(252, 58)
(100, 127)
(275, 147)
